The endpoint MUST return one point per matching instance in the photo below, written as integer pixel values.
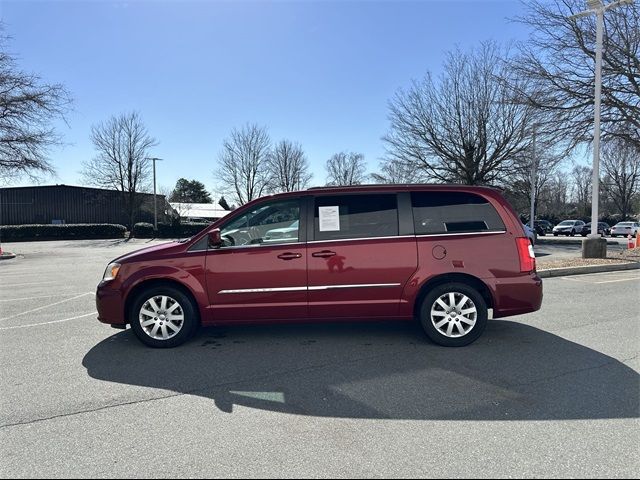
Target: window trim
(484, 232)
(360, 239)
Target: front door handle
(323, 254)
(289, 256)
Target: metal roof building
(209, 211)
(70, 204)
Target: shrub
(180, 230)
(17, 233)
(143, 230)
(166, 230)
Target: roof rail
(395, 185)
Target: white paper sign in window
(329, 219)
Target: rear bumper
(110, 305)
(517, 295)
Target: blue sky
(319, 73)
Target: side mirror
(215, 240)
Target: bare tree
(288, 167)
(122, 144)
(581, 177)
(621, 168)
(346, 169)
(519, 183)
(243, 163)
(559, 60)
(27, 109)
(553, 198)
(396, 171)
(464, 127)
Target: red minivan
(441, 254)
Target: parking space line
(619, 280)
(49, 323)
(29, 274)
(39, 296)
(599, 278)
(575, 279)
(47, 306)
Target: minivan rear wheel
(453, 314)
(163, 317)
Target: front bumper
(110, 304)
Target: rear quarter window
(453, 212)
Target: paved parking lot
(555, 393)
(559, 248)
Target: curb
(562, 272)
(7, 256)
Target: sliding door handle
(323, 254)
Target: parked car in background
(277, 234)
(568, 228)
(531, 234)
(625, 228)
(543, 227)
(196, 220)
(603, 229)
(440, 254)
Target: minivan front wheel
(163, 317)
(453, 315)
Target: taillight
(526, 255)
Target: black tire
(190, 314)
(573, 232)
(441, 338)
(555, 234)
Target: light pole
(533, 179)
(597, 8)
(155, 207)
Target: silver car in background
(568, 228)
(625, 228)
(531, 234)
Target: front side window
(355, 216)
(453, 212)
(266, 224)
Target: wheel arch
(158, 282)
(442, 279)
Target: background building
(69, 204)
(207, 211)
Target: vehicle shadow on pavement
(377, 371)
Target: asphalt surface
(554, 393)
(565, 249)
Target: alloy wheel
(454, 314)
(161, 317)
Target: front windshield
(624, 224)
(567, 222)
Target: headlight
(111, 272)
